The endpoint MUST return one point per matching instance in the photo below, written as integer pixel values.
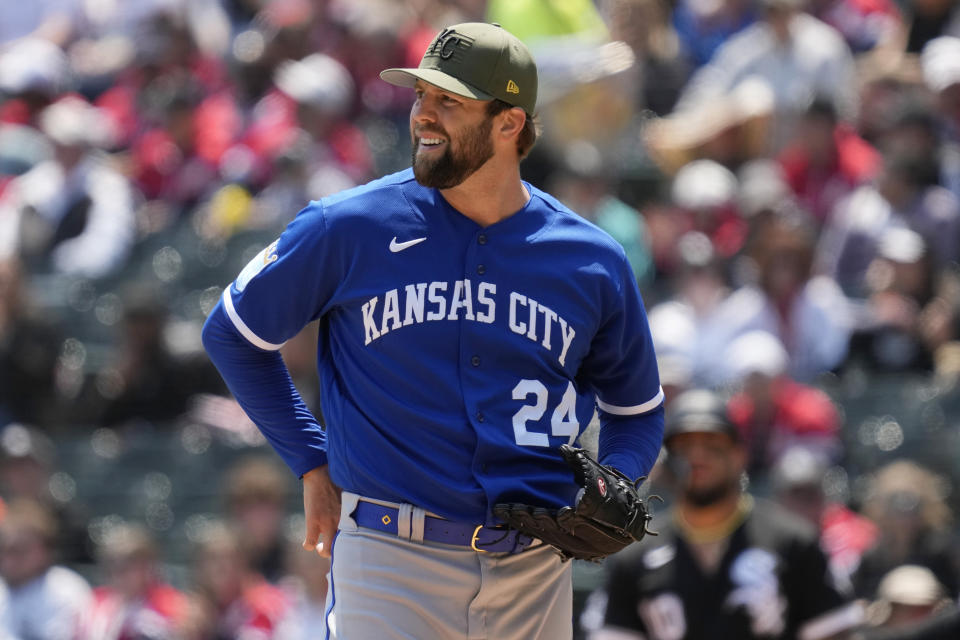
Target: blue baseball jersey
(454, 359)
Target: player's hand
(321, 507)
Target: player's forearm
(631, 443)
(260, 382)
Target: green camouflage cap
(476, 60)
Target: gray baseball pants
(384, 587)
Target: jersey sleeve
(262, 386)
(622, 364)
(286, 285)
(631, 444)
(622, 370)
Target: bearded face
(704, 496)
(708, 466)
(443, 161)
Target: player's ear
(511, 122)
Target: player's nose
(422, 119)
(423, 111)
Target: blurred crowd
(784, 176)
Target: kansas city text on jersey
(437, 301)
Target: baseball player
(470, 325)
(724, 565)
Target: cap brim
(408, 78)
(701, 424)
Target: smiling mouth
(431, 143)
(429, 138)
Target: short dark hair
(531, 128)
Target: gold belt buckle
(473, 540)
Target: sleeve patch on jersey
(255, 266)
(650, 404)
(242, 327)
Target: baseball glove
(608, 515)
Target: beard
(455, 165)
(706, 496)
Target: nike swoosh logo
(400, 246)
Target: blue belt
(477, 537)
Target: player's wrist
(322, 469)
(316, 460)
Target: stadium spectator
(29, 349)
(724, 564)
(256, 490)
(864, 24)
(705, 193)
(135, 603)
(76, 211)
(826, 160)
(662, 61)
(45, 599)
(322, 94)
(731, 128)
(763, 191)
(906, 502)
(773, 412)
(149, 379)
(905, 194)
(940, 62)
(798, 483)
(909, 316)
(704, 27)
(906, 596)
(33, 73)
(165, 162)
(230, 599)
(28, 461)
(807, 312)
(797, 55)
(689, 328)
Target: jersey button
(481, 269)
(479, 416)
(475, 361)
(482, 238)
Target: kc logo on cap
(476, 60)
(447, 42)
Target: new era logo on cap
(476, 60)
